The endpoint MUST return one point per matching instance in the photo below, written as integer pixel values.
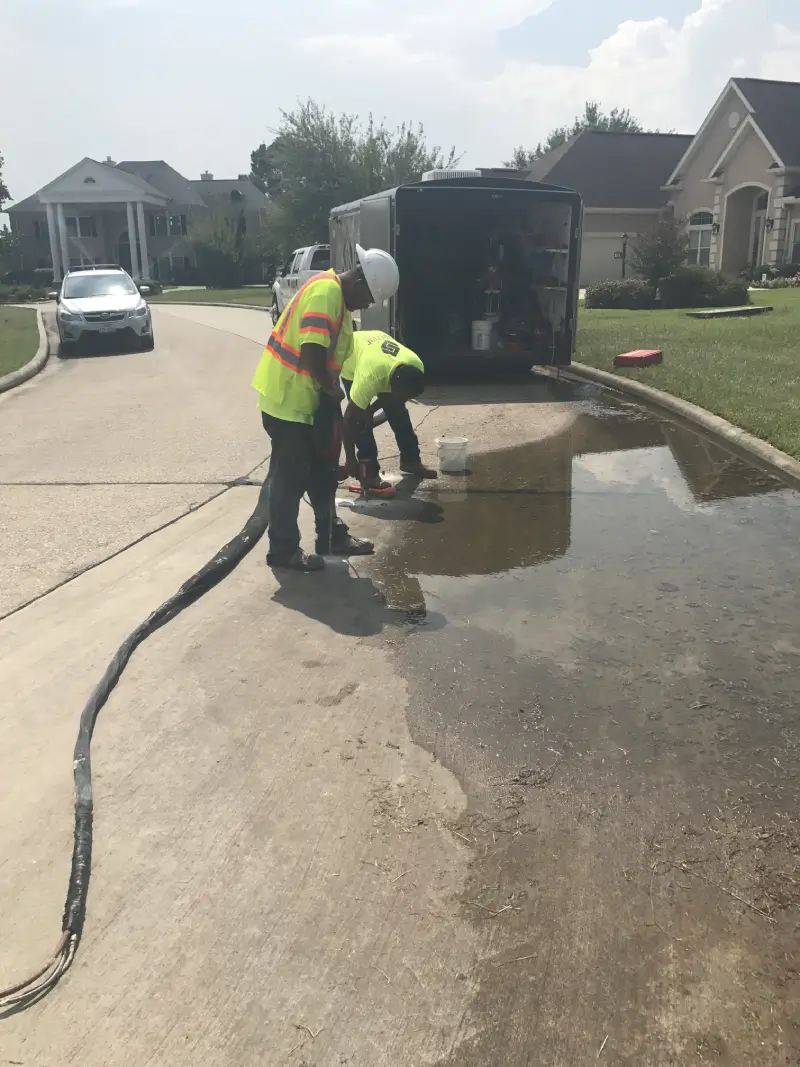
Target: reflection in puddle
(515, 509)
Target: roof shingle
(776, 110)
(614, 170)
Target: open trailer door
(376, 232)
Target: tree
(4, 193)
(659, 253)
(618, 120)
(225, 254)
(9, 250)
(318, 160)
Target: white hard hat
(380, 273)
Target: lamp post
(624, 256)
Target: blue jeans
(400, 421)
(298, 465)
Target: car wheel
(148, 342)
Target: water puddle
(626, 571)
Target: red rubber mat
(641, 357)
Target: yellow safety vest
(315, 315)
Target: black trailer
(488, 267)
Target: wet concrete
(603, 644)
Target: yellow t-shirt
(316, 315)
(369, 366)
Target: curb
(766, 454)
(208, 304)
(33, 366)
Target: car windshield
(83, 285)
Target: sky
(201, 83)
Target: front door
(124, 251)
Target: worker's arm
(314, 359)
(354, 420)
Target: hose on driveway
(26, 993)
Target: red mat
(640, 357)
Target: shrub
(630, 294)
(24, 276)
(658, 253)
(772, 270)
(698, 287)
(154, 287)
(21, 294)
(782, 283)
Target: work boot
(417, 468)
(374, 481)
(347, 546)
(299, 560)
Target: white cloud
(211, 79)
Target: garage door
(597, 257)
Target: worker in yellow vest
(300, 400)
(381, 373)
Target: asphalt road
(519, 790)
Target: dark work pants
(298, 465)
(400, 421)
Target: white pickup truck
(300, 266)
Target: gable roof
(775, 108)
(614, 170)
(159, 174)
(91, 167)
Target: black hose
(28, 992)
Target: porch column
(132, 241)
(716, 241)
(143, 240)
(62, 234)
(775, 249)
(54, 249)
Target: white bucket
(452, 454)
(481, 335)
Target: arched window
(699, 252)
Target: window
(158, 225)
(321, 260)
(81, 226)
(177, 225)
(699, 252)
(40, 231)
(794, 247)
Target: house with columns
(136, 213)
(735, 184)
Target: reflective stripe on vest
(310, 324)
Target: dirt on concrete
(519, 790)
(603, 637)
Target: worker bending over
(300, 400)
(380, 373)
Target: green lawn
(19, 338)
(746, 370)
(261, 296)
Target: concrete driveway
(518, 790)
(98, 451)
